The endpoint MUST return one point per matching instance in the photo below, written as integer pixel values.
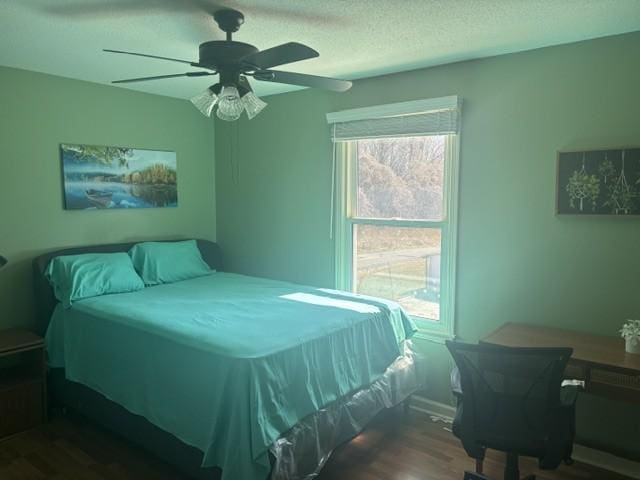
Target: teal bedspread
(227, 363)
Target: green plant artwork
(599, 182)
(581, 187)
(606, 169)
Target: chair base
(474, 476)
(511, 470)
(480, 476)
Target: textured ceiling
(355, 38)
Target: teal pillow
(167, 262)
(74, 277)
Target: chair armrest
(568, 395)
(456, 385)
(575, 383)
(458, 396)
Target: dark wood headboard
(45, 301)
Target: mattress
(228, 363)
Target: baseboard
(583, 454)
(432, 408)
(606, 461)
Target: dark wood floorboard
(395, 447)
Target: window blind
(435, 116)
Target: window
(396, 208)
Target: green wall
(517, 260)
(37, 113)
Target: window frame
(346, 219)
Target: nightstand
(23, 381)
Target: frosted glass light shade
(253, 105)
(205, 102)
(230, 105)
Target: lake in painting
(113, 177)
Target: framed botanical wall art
(97, 177)
(599, 182)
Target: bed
(227, 375)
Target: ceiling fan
(235, 61)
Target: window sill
(431, 331)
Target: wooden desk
(598, 360)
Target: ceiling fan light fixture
(233, 61)
(253, 104)
(230, 104)
(205, 101)
(228, 116)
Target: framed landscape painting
(599, 182)
(96, 177)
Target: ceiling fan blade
(160, 77)
(303, 80)
(116, 8)
(274, 56)
(193, 64)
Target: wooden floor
(394, 448)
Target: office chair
(512, 399)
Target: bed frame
(96, 407)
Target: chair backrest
(509, 394)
